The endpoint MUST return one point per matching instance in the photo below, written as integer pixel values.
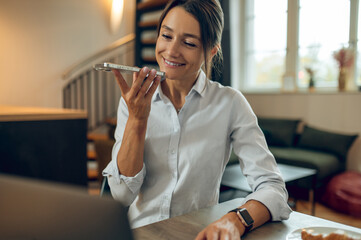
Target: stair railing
(94, 91)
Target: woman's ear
(214, 51)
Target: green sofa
(310, 147)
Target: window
(321, 32)
(266, 43)
(281, 38)
(358, 45)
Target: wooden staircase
(101, 133)
(147, 16)
(97, 92)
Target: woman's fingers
(138, 79)
(124, 88)
(144, 82)
(147, 82)
(152, 88)
(138, 96)
(201, 236)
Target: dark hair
(209, 14)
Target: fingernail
(145, 69)
(153, 72)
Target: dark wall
(223, 75)
(49, 150)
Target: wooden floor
(302, 206)
(324, 212)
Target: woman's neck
(177, 90)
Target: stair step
(91, 155)
(97, 136)
(94, 188)
(111, 121)
(151, 60)
(148, 24)
(149, 42)
(100, 133)
(151, 5)
(92, 174)
(92, 170)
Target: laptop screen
(31, 209)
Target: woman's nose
(173, 49)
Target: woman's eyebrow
(185, 34)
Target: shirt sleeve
(257, 162)
(123, 188)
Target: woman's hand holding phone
(138, 97)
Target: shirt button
(173, 151)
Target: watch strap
(240, 213)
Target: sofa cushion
(326, 164)
(279, 132)
(312, 138)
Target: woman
(174, 138)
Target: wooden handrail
(124, 40)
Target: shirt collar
(199, 87)
(201, 84)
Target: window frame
(240, 43)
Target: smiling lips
(172, 64)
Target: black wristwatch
(245, 218)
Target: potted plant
(344, 58)
(311, 83)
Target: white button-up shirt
(185, 156)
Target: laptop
(32, 209)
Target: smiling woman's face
(179, 49)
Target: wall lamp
(116, 15)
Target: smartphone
(127, 69)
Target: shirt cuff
(274, 200)
(133, 183)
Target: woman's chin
(169, 77)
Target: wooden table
(233, 177)
(20, 114)
(187, 226)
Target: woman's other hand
(228, 227)
(138, 97)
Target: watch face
(246, 217)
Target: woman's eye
(190, 44)
(166, 36)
